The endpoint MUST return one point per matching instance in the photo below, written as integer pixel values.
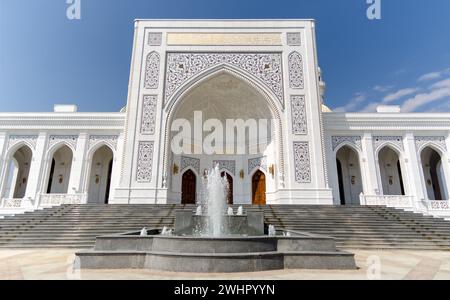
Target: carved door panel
(259, 188)
(230, 187)
(188, 188)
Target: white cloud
(371, 107)
(430, 76)
(399, 94)
(357, 99)
(383, 88)
(441, 84)
(421, 99)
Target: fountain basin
(215, 254)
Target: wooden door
(259, 188)
(188, 187)
(230, 187)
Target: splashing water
(272, 231)
(216, 189)
(198, 212)
(230, 211)
(143, 232)
(240, 211)
(166, 231)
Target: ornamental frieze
(266, 67)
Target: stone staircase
(362, 227)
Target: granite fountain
(214, 238)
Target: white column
(446, 165)
(116, 170)
(370, 166)
(37, 163)
(415, 184)
(3, 163)
(76, 173)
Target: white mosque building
(227, 69)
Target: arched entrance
(18, 172)
(433, 174)
(230, 187)
(188, 187)
(390, 172)
(349, 176)
(221, 98)
(259, 188)
(58, 178)
(100, 176)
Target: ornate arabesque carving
(190, 162)
(110, 140)
(259, 162)
(298, 110)
(28, 139)
(68, 139)
(267, 67)
(154, 38)
(295, 65)
(229, 165)
(294, 39)
(354, 140)
(145, 162)
(148, 119)
(302, 162)
(395, 140)
(152, 71)
(437, 140)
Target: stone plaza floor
(382, 264)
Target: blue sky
(402, 59)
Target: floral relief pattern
(69, 139)
(111, 140)
(295, 71)
(148, 119)
(302, 162)
(145, 162)
(154, 38)
(339, 140)
(437, 140)
(229, 165)
(152, 71)
(396, 140)
(264, 66)
(294, 39)
(298, 110)
(29, 139)
(259, 162)
(190, 162)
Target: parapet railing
(17, 203)
(48, 200)
(397, 201)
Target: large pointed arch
(17, 169)
(270, 99)
(433, 174)
(98, 173)
(391, 169)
